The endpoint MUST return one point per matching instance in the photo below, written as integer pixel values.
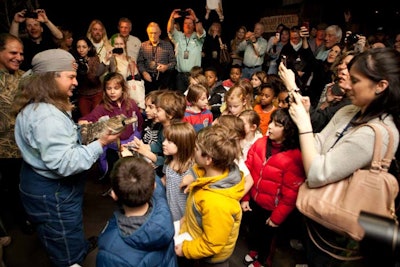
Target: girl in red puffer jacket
(275, 164)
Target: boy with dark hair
(217, 91)
(141, 232)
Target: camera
(31, 14)
(381, 233)
(82, 66)
(352, 39)
(118, 50)
(183, 13)
(336, 90)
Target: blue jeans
(55, 207)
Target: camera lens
(82, 67)
(352, 38)
(381, 234)
(336, 90)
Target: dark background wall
(153, 10)
(77, 14)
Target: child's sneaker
(250, 257)
(255, 264)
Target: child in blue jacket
(141, 232)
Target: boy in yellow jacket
(213, 213)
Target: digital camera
(336, 90)
(118, 50)
(31, 14)
(352, 39)
(82, 66)
(183, 13)
(82, 60)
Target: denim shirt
(49, 142)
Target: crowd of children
(209, 166)
(200, 148)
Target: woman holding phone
(119, 60)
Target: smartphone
(118, 50)
(284, 60)
(306, 24)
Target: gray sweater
(353, 151)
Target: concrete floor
(25, 250)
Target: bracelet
(306, 132)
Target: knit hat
(53, 60)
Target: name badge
(186, 54)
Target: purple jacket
(100, 111)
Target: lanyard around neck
(346, 128)
(187, 40)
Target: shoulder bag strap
(338, 257)
(389, 155)
(378, 162)
(382, 164)
(387, 160)
(220, 41)
(376, 157)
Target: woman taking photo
(342, 147)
